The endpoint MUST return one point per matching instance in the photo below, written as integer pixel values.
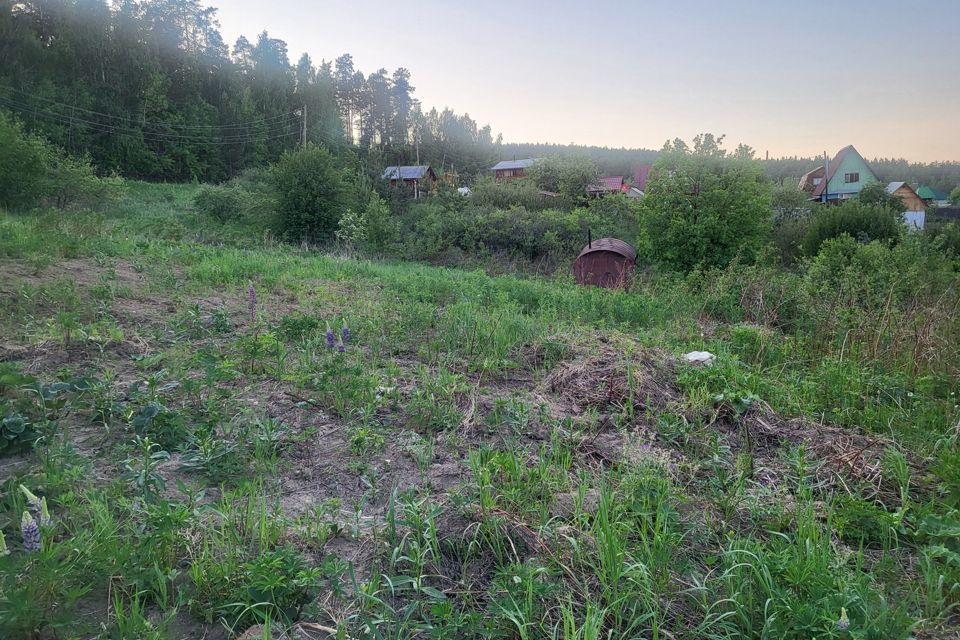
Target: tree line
(150, 89)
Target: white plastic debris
(698, 357)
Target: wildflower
(844, 622)
(30, 532)
(330, 337)
(340, 347)
(3, 545)
(345, 332)
(45, 519)
(252, 301)
(33, 502)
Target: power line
(273, 132)
(172, 125)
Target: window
(817, 181)
(851, 177)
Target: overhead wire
(273, 131)
(172, 125)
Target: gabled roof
(407, 172)
(640, 175)
(834, 165)
(608, 183)
(929, 193)
(893, 186)
(514, 164)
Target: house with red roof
(607, 185)
(841, 178)
(641, 173)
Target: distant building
(842, 178)
(811, 180)
(905, 192)
(607, 185)
(641, 174)
(415, 177)
(933, 197)
(510, 169)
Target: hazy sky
(784, 77)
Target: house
(811, 179)
(933, 197)
(414, 177)
(607, 262)
(641, 174)
(841, 178)
(607, 185)
(510, 169)
(905, 192)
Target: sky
(785, 77)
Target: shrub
(487, 192)
(863, 222)
(22, 168)
(222, 203)
(311, 193)
(876, 194)
(32, 170)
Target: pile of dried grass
(606, 377)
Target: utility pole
(826, 174)
(303, 126)
(416, 141)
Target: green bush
(863, 222)
(504, 194)
(222, 203)
(312, 193)
(22, 167)
(33, 170)
(703, 209)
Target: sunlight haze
(783, 77)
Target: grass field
(232, 432)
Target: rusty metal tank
(607, 262)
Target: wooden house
(905, 192)
(641, 173)
(841, 178)
(933, 197)
(510, 169)
(607, 185)
(414, 177)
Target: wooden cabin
(905, 192)
(607, 185)
(414, 177)
(511, 169)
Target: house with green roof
(840, 179)
(932, 196)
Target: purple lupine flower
(330, 337)
(844, 622)
(340, 347)
(30, 531)
(252, 302)
(345, 332)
